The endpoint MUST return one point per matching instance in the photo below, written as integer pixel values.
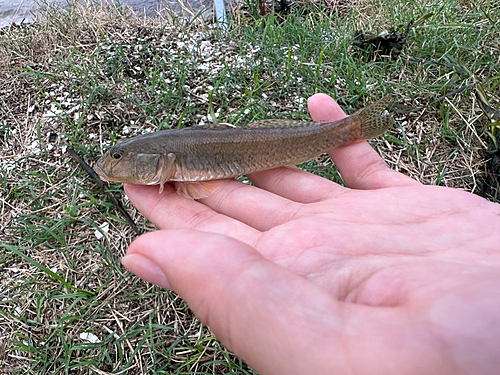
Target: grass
(84, 77)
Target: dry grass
(89, 76)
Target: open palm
(299, 275)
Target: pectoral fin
(198, 190)
(166, 169)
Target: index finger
(169, 210)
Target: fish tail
(374, 119)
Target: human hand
(302, 276)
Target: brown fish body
(226, 152)
(223, 151)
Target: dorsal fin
(279, 123)
(221, 126)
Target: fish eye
(116, 155)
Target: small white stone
(104, 227)
(90, 337)
(34, 147)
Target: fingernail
(146, 269)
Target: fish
(198, 159)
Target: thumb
(264, 313)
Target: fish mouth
(99, 171)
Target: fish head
(120, 164)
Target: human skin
(299, 275)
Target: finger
(169, 210)
(296, 184)
(235, 209)
(251, 205)
(256, 308)
(360, 166)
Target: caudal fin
(375, 120)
